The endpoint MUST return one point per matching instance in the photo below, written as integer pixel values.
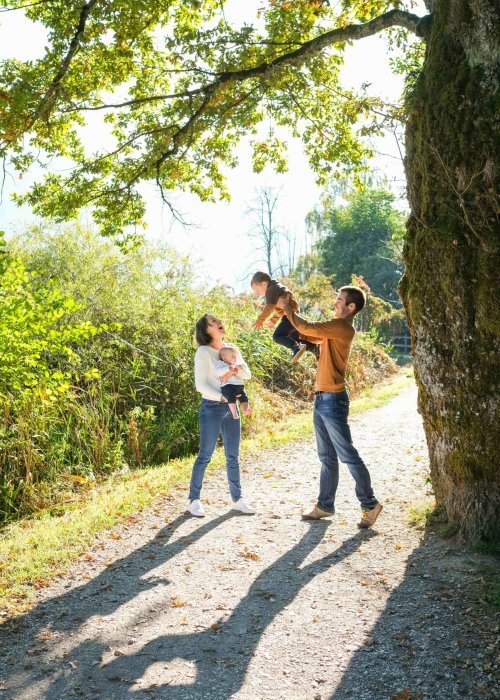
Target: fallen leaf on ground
(250, 555)
(176, 603)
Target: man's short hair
(354, 295)
(260, 277)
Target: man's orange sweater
(336, 338)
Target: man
(331, 406)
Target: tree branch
(352, 32)
(24, 7)
(49, 95)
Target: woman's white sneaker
(243, 507)
(196, 508)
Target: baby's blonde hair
(227, 346)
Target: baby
(233, 387)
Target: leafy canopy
(177, 86)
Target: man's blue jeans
(333, 437)
(215, 418)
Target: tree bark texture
(451, 285)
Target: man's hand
(271, 323)
(284, 303)
(256, 326)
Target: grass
(419, 516)
(382, 393)
(483, 547)
(427, 514)
(35, 550)
(489, 578)
(403, 359)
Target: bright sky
(218, 243)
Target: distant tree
(307, 265)
(357, 240)
(275, 247)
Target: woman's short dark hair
(203, 337)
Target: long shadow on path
(101, 596)
(434, 639)
(220, 657)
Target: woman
(215, 416)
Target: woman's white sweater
(205, 378)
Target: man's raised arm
(312, 331)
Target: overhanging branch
(54, 86)
(352, 32)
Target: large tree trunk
(451, 285)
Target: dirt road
(268, 606)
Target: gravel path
(269, 606)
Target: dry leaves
(247, 554)
(176, 603)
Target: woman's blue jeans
(333, 438)
(215, 418)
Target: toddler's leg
(286, 334)
(247, 411)
(243, 399)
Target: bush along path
(269, 606)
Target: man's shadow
(219, 671)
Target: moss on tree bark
(450, 288)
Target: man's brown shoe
(316, 513)
(368, 517)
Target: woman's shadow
(218, 657)
(101, 596)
